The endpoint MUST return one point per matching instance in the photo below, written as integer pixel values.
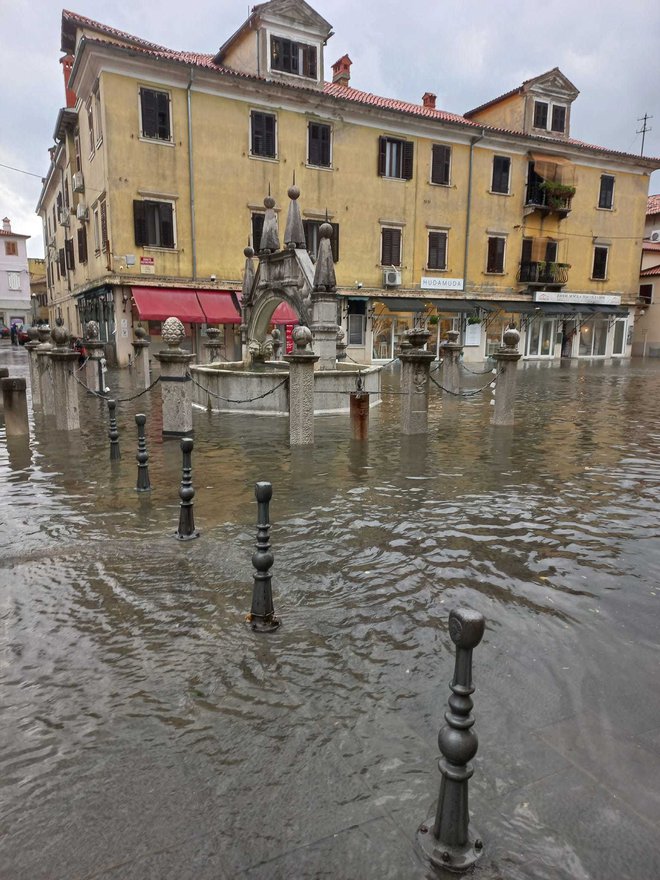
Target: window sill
(400, 179)
(493, 192)
(263, 158)
(159, 249)
(599, 280)
(609, 210)
(160, 141)
(319, 167)
(494, 273)
(433, 269)
(443, 185)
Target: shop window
(395, 158)
(356, 319)
(155, 113)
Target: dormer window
(296, 58)
(550, 117)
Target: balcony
(539, 273)
(544, 195)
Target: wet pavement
(146, 733)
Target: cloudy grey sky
(466, 51)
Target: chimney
(6, 225)
(341, 71)
(67, 64)
(428, 100)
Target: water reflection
(137, 708)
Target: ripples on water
(133, 696)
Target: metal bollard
(143, 483)
(359, 411)
(186, 530)
(262, 614)
(445, 837)
(113, 433)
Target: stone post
(450, 374)
(44, 371)
(359, 410)
(301, 388)
(141, 358)
(415, 368)
(341, 345)
(4, 374)
(95, 366)
(324, 302)
(14, 401)
(446, 838)
(214, 344)
(277, 344)
(186, 530)
(175, 381)
(65, 389)
(31, 348)
(143, 482)
(506, 360)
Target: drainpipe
(473, 141)
(191, 173)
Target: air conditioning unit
(64, 219)
(392, 278)
(78, 182)
(82, 213)
(655, 235)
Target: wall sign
(441, 283)
(147, 266)
(605, 299)
(472, 334)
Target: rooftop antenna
(644, 119)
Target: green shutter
(140, 222)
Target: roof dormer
(282, 40)
(541, 106)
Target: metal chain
(81, 366)
(233, 400)
(117, 399)
(475, 372)
(470, 393)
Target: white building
(14, 277)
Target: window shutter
(526, 253)
(149, 113)
(314, 145)
(391, 247)
(257, 229)
(541, 114)
(382, 155)
(605, 199)
(68, 247)
(163, 115)
(82, 245)
(140, 222)
(407, 164)
(104, 227)
(166, 225)
(558, 119)
(62, 261)
(441, 157)
(437, 250)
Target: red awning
(285, 314)
(160, 303)
(218, 306)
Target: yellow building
(163, 158)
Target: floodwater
(145, 732)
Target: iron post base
(449, 858)
(189, 537)
(259, 624)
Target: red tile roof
(333, 90)
(652, 270)
(12, 234)
(653, 205)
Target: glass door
(541, 338)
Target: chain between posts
(117, 399)
(234, 400)
(475, 372)
(470, 393)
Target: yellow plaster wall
(508, 114)
(242, 55)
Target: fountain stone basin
(233, 381)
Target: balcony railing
(541, 272)
(540, 197)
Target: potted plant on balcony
(558, 194)
(474, 319)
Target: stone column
(175, 381)
(415, 368)
(301, 389)
(65, 388)
(44, 371)
(4, 374)
(324, 302)
(451, 351)
(14, 400)
(506, 360)
(214, 344)
(31, 348)
(94, 368)
(141, 349)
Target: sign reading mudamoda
(603, 299)
(441, 284)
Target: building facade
(14, 277)
(162, 160)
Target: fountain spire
(324, 276)
(294, 235)
(270, 237)
(248, 277)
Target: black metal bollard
(113, 433)
(186, 530)
(445, 837)
(262, 614)
(143, 483)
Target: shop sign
(441, 283)
(586, 299)
(147, 266)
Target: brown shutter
(104, 227)
(166, 224)
(62, 263)
(257, 229)
(139, 222)
(391, 246)
(407, 163)
(440, 164)
(382, 155)
(82, 245)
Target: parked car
(23, 335)
(5, 332)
